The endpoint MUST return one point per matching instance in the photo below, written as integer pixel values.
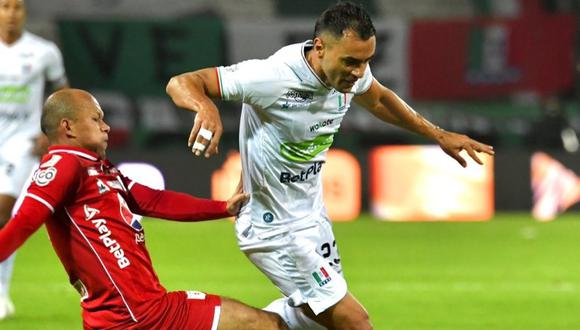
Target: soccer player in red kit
(88, 205)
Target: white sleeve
(364, 83)
(249, 81)
(54, 65)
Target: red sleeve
(173, 205)
(31, 215)
(56, 179)
(53, 182)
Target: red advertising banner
(495, 57)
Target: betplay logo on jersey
(313, 170)
(114, 247)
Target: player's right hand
(453, 143)
(236, 201)
(206, 132)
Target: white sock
(294, 317)
(6, 269)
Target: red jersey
(88, 207)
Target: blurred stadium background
(503, 71)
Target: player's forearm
(177, 206)
(193, 91)
(402, 115)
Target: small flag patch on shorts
(322, 277)
(195, 295)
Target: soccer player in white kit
(293, 104)
(27, 63)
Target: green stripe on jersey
(14, 94)
(306, 150)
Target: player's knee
(237, 315)
(279, 322)
(362, 322)
(260, 319)
(267, 320)
(354, 320)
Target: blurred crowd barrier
(401, 183)
(486, 68)
(484, 77)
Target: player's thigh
(6, 204)
(239, 316)
(14, 173)
(348, 313)
(305, 266)
(8, 189)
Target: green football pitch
(509, 273)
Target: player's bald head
(64, 104)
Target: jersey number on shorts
(327, 252)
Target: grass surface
(509, 273)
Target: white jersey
(289, 118)
(25, 67)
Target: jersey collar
(23, 37)
(75, 151)
(307, 45)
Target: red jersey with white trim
(88, 207)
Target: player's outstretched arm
(55, 180)
(31, 215)
(387, 106)
(172, 205)
(193, 91)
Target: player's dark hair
(343, 16)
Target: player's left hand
(453, 144)
(236, 201)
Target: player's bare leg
(6, 204)
(6, 307)
(347, 314)
(238, 316)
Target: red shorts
(178, 310)
(192, 310)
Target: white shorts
(303, 263)
(14, 173)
